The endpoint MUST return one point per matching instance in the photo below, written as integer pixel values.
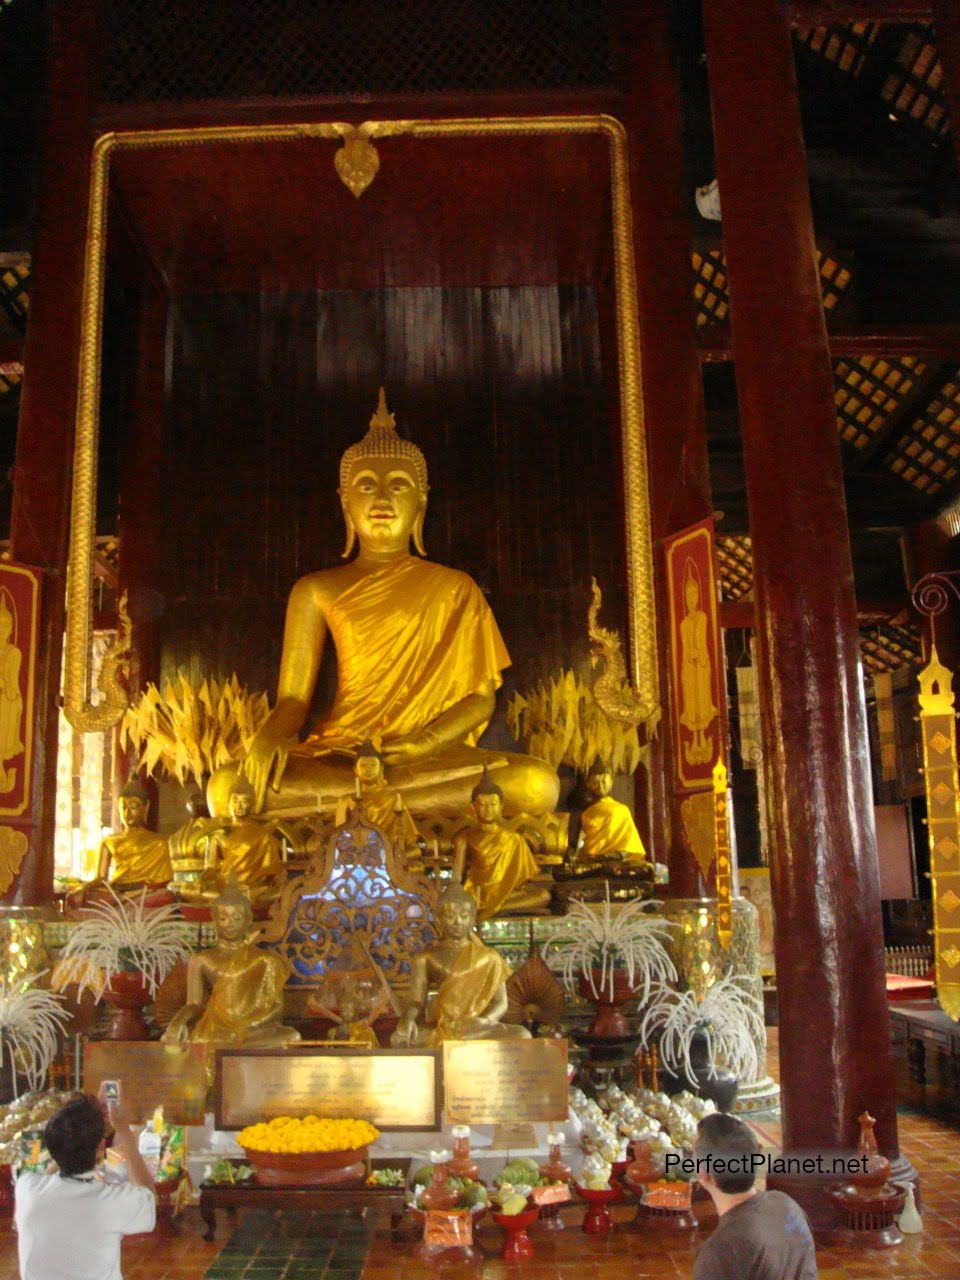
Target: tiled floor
(329, 1247)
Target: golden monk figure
(607, 828)
(494, 863)
(11, 699)
(419, 660)
(234, 990)
(470, 980)
(697, 710)
(134, 856)
(247, 850)
(378, 804)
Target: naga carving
(117, 662)
(611, 689)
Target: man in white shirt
(70, 1224)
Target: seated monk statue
(234, 990)
(246, 850)
(470, 980)
(378, 804)
(501, 871)
(134, 857)
(419, 658)
(607, 827)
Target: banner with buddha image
(696, 656)
(19, 615)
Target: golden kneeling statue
(134, 856)
(495, 864)
(419, 657)
(235, 989)
(470, 980)
(378, 804)
(607, 826)
(246, 851)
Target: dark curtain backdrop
(503, 389)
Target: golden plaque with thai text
(150, 1075)
(504, 1081)
(394, 1089)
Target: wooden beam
(827, 13)
(888, 437)
(926, 341)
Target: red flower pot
(609, 1021)
(127, 994)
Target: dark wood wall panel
(502, 389)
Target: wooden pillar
(672, 385)
(835, 1056)
(41, 489)
(947, 29)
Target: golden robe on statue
(138, 855)
(247, 994)
(249, 852)
(608, 828)
(466, 994)
(413, 639)
(498, 861)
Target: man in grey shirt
(761, 1235)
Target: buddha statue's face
(133, 811)
(600, 784)
(382, 503)
(369, 769)
(232, 920)
(488, 807)
(456, 917)
(240, 805)
(6, 625)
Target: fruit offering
(470, 1194)
(386, 1178)
(289, 1135)
(595, 1175)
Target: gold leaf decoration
(13, 847)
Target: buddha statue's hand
(265, 762)
(404, 1034)
(410, 747)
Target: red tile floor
(933, 1147)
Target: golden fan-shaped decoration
(534, 996)
(171, 995)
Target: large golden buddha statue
(469, 979)
(419, 659)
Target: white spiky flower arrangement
(728, 1015)
(593, 942)
(123, 935)
(31, 1020)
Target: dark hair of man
(73, 1135)
(725, 1137)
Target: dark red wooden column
(947, 29)
(672, 386)
(41, 491)
(835, 1056)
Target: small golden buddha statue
(190, 842)
(469, 978)
(495, 864)
(607, 828)
(419, 657)
(134, 856)
(247, 850)
(235, 989)
(378, 804)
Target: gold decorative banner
(696, 655)
(883, 692)
(504, 1081)
(939, 736)
(721, 840)
(749, 716)
(19, 614)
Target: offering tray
(308, 1168)
(661, 1208)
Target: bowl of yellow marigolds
(307, 1151)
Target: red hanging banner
(19, 614)
(696, 655)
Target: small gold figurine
(247, 850)
(494, 863)
(134, 856)
(234, 990)
(379, 805)
(607, 827)
(470, 981)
